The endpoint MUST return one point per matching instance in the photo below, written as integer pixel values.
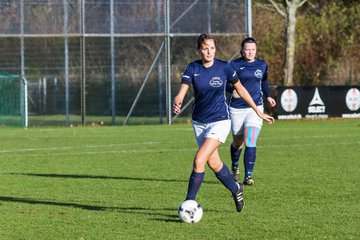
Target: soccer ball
(190, 211)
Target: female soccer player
(211, 119)
(246, 124)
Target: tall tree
(288, 8)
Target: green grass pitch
(127, 182)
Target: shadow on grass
(175, 219)
(42, 202)
(132, 210)
(80, 176)
(155, 213)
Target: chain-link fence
(109, 61)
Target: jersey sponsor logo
(258, 73)
(242, 68)
(216, 82)
(196, 74)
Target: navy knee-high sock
(225, 178)
(194, 184)
(249, 160)
(235, 155)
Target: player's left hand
(267, 118)
(271, 102)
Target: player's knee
(199, 163)
(237, 142)
(251, 142)
(215, 165)
(236, 145)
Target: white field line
(40, 151)
(75, 147)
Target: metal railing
(91, 44)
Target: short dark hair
(203, 37)
(247, 40)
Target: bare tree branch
(264, 7)
(302, 3)
(281, 12)
(311, 4)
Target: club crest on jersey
(216, 82)
(258, 73)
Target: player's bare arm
(178, 100)
(246, 96)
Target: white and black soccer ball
(190, 211)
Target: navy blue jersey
(209, 86)
(253, 76)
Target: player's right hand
(176, 107)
